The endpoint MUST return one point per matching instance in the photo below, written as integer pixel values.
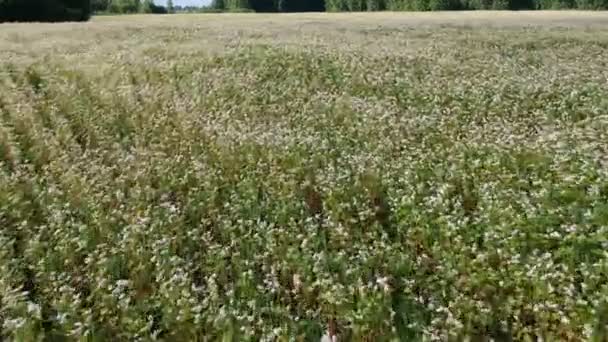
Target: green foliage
(419, 5)
(100, 5)
(218, 4)
(148, 6)
(44, 10)
(129, 6)
(301, 5)
(375, 5)
(592, 4)
(445, 5)
(335, 5)
(271, 5)
(266, 5)
(62, 10)
(236, 4)
(125, 6)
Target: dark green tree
(265, 5)
(125, 6)
(148, 6)
(45, 10)
(100, 5)
(300, 5)
(218, 4)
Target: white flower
(33, 309)
(122, 283)
(327, 338)
(14, 324)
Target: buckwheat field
(371, 177)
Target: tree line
(130, 6)
(402, 5)
(80, 10)
(73, 10)
(44, 10)
(270, 5)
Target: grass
(280, 177)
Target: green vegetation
(44, 10)
(73, 10)
(404, 5)
(377, 177)
(443, 5)
(80, 10)
(130, 6)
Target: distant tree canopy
(80, 10)
(403, 5)
(127, 6)
(71, 10)
(271, 5)
(45, 10)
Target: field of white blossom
(374, 177)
